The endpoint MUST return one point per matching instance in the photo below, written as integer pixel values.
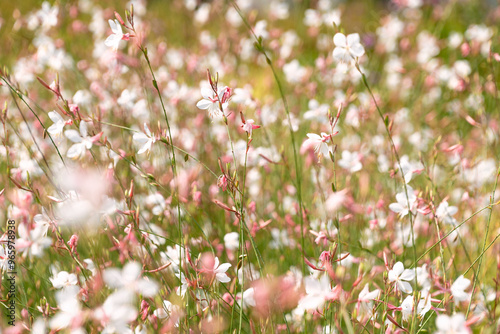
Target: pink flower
(248, 126)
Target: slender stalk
(492, 200)
(298, 172)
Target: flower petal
(340, 40)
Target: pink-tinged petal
(73, 135)
(357, 50)
(352, 39)
(204, 104)
(216, 263)
(340, 40)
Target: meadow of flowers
(247, 166)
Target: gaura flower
(399, 275)
(114, 39)
(212, 102)
(145, 139)
(347, 48)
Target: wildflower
(32, 242)
(130, 277)
(117, 312)
(248, 126)
(43, 221)
(220, 271)
(231, 241)
(401, 206)
(145, 139)
(399, 275)
(56, 129)
(365, 300)
(63, 279)
(247, 299)
(317, 293)
(455, 324)
(184, 284)
(445, 212)
(423, 306)
(214, 103)
(69, 315)
(165, 311)
(347, 48)
(458, 287)
(320, 143)
(350, 161)
(114, 39)
(222, 182)
(82, 142)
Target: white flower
(455, 324)
(210, 102)
(231, 241)
(56, 129)
(458, 287)
(145, 139)
(184, 284)
(32, 242)
(399, 275)
(220, 271)
(43, 221)
(424, 305)
(350, 161)
(347, 48)
(165, 311)
(445, 212)
(320, 143)
(114, 39)
(130, 278)
(117, 312)
(247, 299)
(423, 277)
(69, 309)
(401, 206)
(172, 255)
(317, 292)
(365, 300)
(407, 307)
(63, 279)
(82, 142)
